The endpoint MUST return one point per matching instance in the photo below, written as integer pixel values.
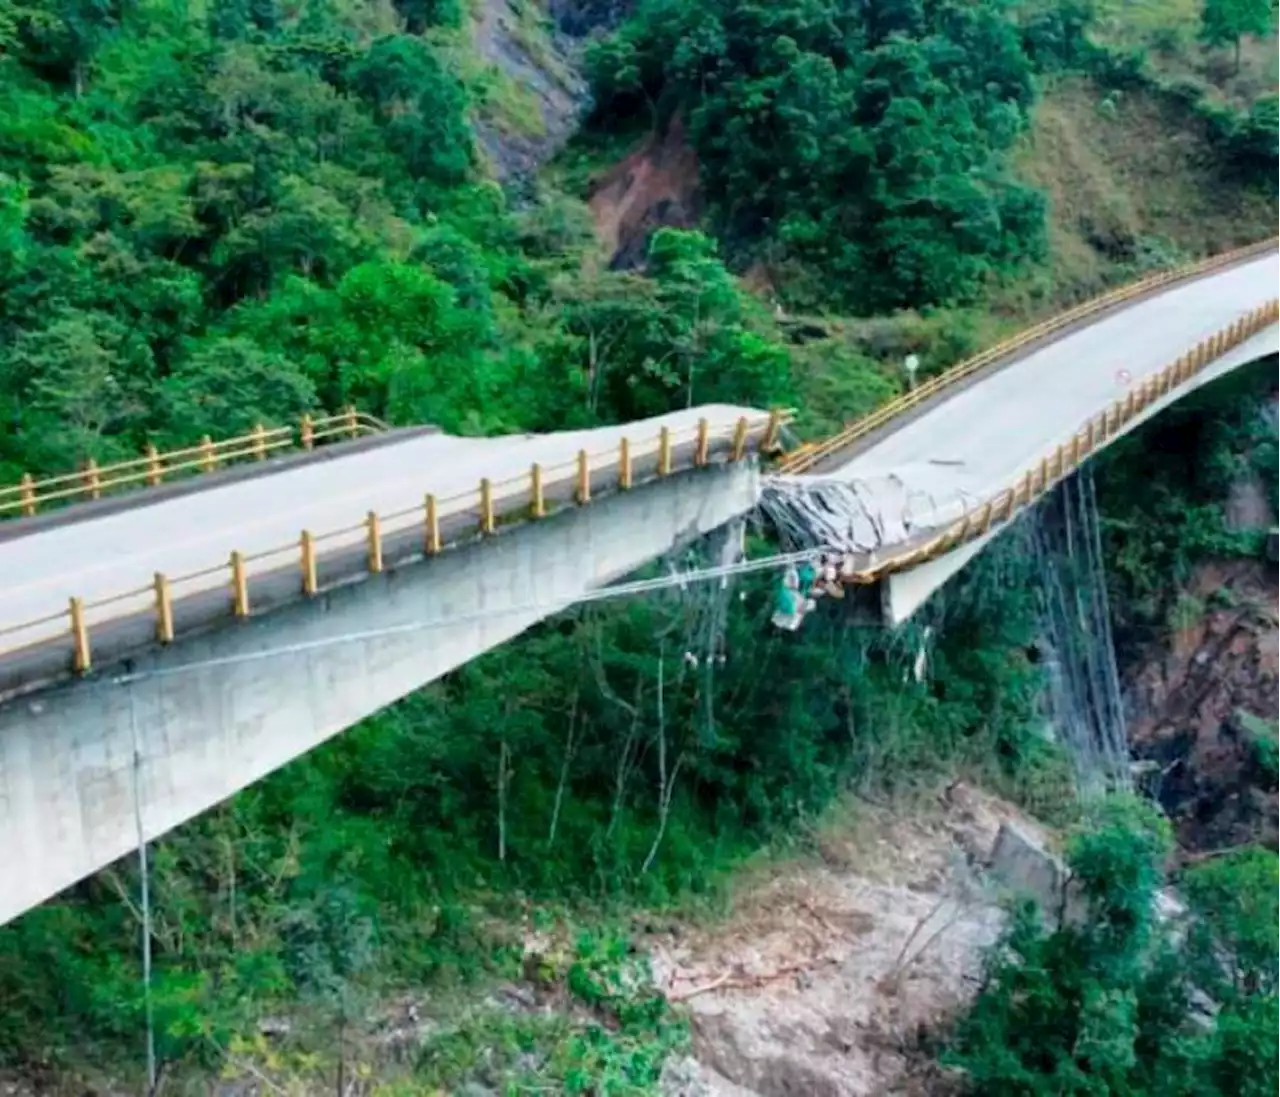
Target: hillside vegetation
(235, 211)
(1133, 182)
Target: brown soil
(656, 186)
(831, 974)
(1186, 702)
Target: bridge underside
(72, 797)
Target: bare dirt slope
(830, 973)
(656, 185)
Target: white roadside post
(911, 364)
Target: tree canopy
(864, 139)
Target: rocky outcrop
(536, 49)
(580, 18)
(1185, 704)
(1023, 866)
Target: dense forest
(224, 212)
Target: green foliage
(611, 1033)
(1262, 737)
(1163, 492)
(617, 1050)
(1235, 896)
(1055, 34)
(208, 225)
(866, 140)
(1103, 1003)
(1083, 1009)
(1225, 22)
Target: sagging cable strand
(622, 590)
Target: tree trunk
(504, 776)
(569, 746)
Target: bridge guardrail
(1068, 456)
(380, 540)
(154, 467)
(807, 457)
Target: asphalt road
(924, 472)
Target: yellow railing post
(739, 440)
(486, 506)
(307, 432)
(664, 451)
(432, 526)
(373, 532)
(239, 585)
(28, 495)
(155, 471)
(80, 636)
(310, 582)
(92, 480)
(164, 610)
(700, 452)
(624, 464)
(583, 493)
(208, 460)
(537, 505)
(770, 442)
(260, 441)
(352, 422)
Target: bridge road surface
(922, 472)
(121, 551)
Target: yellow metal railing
(425, 529)
(1068, 456)
(93, 481)
(807, 457)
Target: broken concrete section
(1022, 865)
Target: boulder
(1020, 863)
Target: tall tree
(1226, 22)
